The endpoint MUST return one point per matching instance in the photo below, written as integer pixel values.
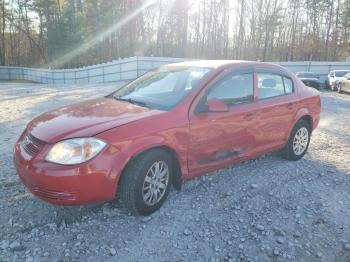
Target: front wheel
(298, 141)
(146, 182)
(340, 88)
(326, 83)
(333, 87)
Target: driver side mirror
(212, 105)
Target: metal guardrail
(130, 68)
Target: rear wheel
(146, 182)
(298, 141)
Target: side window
(233, 89)
(270, 85)
(288, 85)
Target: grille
(31, 144)
(54, 195)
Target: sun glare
(86, 46)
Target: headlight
(75, 151)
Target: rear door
(276, 98)
(219, 138)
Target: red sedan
(171, 124)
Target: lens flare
(98, 38)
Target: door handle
(290, 106)
(249, 117)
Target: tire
(326, 83)
(333, 87)
(339, 89)
(290, 151)
(138, 182)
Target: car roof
(220, 63)
(207, 63)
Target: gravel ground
(266, 209)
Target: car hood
(309, 79)
(86, 119)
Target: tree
(74, 33)
(2, 32)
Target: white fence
(130, 68)
(118, 70)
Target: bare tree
(37, 32)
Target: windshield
(163, 88)
(307, 74)
(341, 73)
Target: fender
(145, 143)
(299, 114)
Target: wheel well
(308, 119)
(177, 181)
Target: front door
(219, 138)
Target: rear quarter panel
(309, 104)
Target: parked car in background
(333, 77)
(343, 85)
(310, 79)
(171, 124)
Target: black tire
(288, 151)
(130, 189)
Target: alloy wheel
(300, 141)
(155, 183)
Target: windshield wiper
(131, 101)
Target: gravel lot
(267, 209)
